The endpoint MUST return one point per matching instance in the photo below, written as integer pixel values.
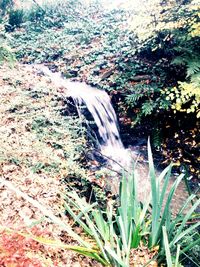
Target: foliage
(53, 14)
(169, 257)
(80, 34)
(5, 5)
(112, 234)
(6, 55)
(185, 97)
(173, 35)
(170, 31)
(145, 100)
(116, 233)
(138, 66)
(35, 14)
(168, 39)
(15, 18)
(52, 145)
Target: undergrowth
(152, 65)
(155, 75)
(112, 234)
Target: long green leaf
(179, 217)
(166, 173)
(80, 222)
(166, 212)
(177, 256)
(155, 194)
(184, 233)
(102, 225)
(185, 219)
(115, 256)
(167, 249)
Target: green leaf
(167, 249)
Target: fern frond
(193, 66)
(181, 60)
(132, 99)
(195, 79)
(148, 107)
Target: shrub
(35, 14)
(15, 19)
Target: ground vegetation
(147, 59)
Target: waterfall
(99, 105)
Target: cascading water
(99, 105)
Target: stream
(99, 105)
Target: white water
(99, 105)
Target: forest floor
(28, 160)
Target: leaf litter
(31, 161)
